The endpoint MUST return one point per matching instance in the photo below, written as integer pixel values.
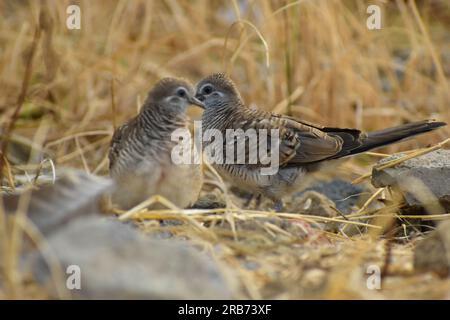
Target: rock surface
(344, 194)
(116, 261)
(312, 203)
(74, 194)
(430, 172)
(433, 252)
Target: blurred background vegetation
(312, 59)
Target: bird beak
(200, 97)
(197, 102)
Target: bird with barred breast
(140, 151)
(302, 146)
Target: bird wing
(301, 142)
(116, 142)
(319, 143)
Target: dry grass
(63, 91)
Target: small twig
(9, 174)
(369, 201)
(377, 154)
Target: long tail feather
(387, 136)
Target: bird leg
(258, 201)
(248, 200)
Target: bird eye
(207, 89)
(181, 92)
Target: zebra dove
(140, 151)
(302, 146)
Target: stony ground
(217, 252)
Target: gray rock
(433, 252)
(74, 194)
(312, 203)
(118, 262)
(344, 194)
(432, 170)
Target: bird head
(215, 89)
(172, 93)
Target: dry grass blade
(260, 36)
(208, 215)
(282, 105)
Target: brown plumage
(140, 152)
(303, 146)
